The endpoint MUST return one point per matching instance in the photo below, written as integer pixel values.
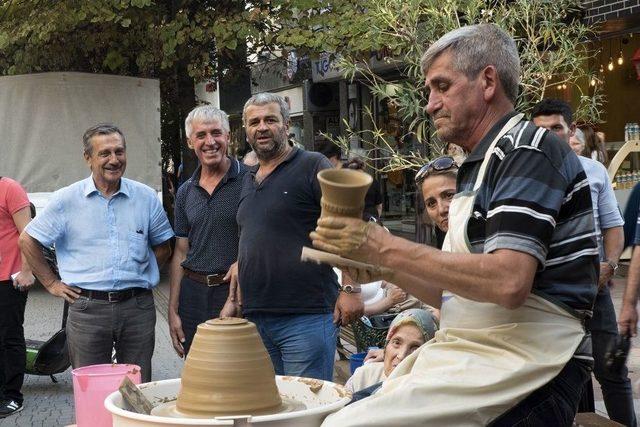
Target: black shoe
(9, 407)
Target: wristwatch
(350, 289)
(613, 265)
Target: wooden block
(591, 419)
(134, 397)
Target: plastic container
(92, 384)
(356, 360)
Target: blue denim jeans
(554, 404)
(616, 387)
(299, 344)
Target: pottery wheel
(169, 410)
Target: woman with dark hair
(593, 145)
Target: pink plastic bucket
(92, 384)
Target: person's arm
(613, 241)
(24, 280)
(175, 278)
(162, 252)
(32, 251)
(628, 318)
(393, 295)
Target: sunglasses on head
(442, 163)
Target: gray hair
(475, 47)
(267, 98)
(204, 114)
(99, 129)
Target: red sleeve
(16, 197)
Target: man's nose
(263, 125)
(433, 104)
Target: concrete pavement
(49, 404)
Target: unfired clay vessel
(227, 372)
(343, 192)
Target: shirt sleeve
(159, 229)
(525, 197)
(608, 210)
(180, 223)
(323, 163)
(16, 197)
(49, 225)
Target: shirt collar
(232, 172)
(89, 187)
(293, 153)
(478, 152)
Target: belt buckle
(115, 296)
(211, 277)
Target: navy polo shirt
(209, 221)
(275, 219)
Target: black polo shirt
(275, 219)
(209, 221)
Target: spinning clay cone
(343, 192)
(227, 372)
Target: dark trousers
(13, 353)
(616, 387)
(554, 404)
(96, 327)
(197, 304)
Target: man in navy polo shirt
(295, 305)
(206, 229)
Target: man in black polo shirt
(206, 230)
(295, 305)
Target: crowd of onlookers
(500, 325)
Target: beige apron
(483, 360)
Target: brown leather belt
(206, 279)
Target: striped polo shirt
(535, 199)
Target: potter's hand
(59, 289)
(231, 309)
(628, 319)
(235, 294)
(349, 307)
(177, 334)
(347, 237)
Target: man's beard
(278, 144)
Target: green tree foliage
(549, 35)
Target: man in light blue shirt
(556, 115)
(111, 234)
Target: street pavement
(49, 404)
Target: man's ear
(490, 82)
(87, 158)
(189, 144)
(572, 130)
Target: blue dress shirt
(104, 244)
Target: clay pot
(227, 372)
(343, 192)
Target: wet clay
(227, 372)
(343, 192)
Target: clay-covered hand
(348, 237)
(177, 334)
(349, 307)
(628, 319)
(374, 355)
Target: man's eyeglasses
(442, 163)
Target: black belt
(206, 279)
(113, 296)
